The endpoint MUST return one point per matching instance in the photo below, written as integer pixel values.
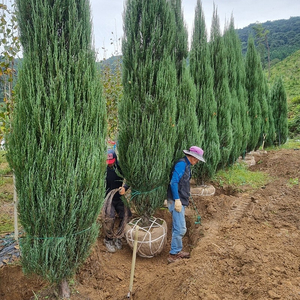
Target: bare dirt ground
(246, 248)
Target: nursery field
(246, 248)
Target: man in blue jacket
(178, 199)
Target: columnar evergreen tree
(270, 138)
(57, 145)
(221, 89)
(236, 122)
(188, 133)
(147, 113)
(206, 106)
(264, 105)
(280, 110)
(252, 83)
(242, 94)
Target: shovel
(133, 260)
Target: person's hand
(122, 190)
(178, 205)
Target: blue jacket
(179, 187)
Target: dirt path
(247, 247)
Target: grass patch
(239, 176)
(6, 224)
(6, 197)
(6, 189)
(5, 170)
(290, 144)
(6, 180)
(4, 166)
(2, 156)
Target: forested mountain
(283, 37)
(112, 62)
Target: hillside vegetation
(283, 37)
(289, 70)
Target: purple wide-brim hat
(195, 152)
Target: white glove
(178, 205)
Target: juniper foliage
(232, 62)
(221, 90)
(188, 133)
(280, 111)
(206, 105)
(240, 120)
(252, 81)
(264, 104)
(270, 137)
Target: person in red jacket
(115, 181)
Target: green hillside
(289, 70)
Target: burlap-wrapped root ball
(151, 239)
(203, 190)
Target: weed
(293, 181)
(238, 175)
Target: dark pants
(119, 209)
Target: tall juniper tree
(242, 93)
(147, 112)
(264, 105)
(206, 106)
(236, 118)
(280, 110)
(57, 144)
(270, 137)
(188, 133)
(252, 82)
(221, 90)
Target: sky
(108, 17)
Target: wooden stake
(133, 260)
(16, 232)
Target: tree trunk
(64, 289)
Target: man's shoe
(173, 257)
(183, 254)
(118, 244)
(110, 245)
